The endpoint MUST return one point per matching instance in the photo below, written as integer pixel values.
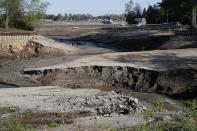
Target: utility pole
(194, 18)
(167, 18)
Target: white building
(140, 21)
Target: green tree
(180, 10)
(144, 13)
(70, 16)
(132, 12)
(52, 17)
(153, 15)
(23, 14)
(59, 17)
(129, 12)
(12, 9)
(65, 16)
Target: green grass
(148, 114)
(15, 125)
(185, 26)
(180, 123)
(158, 105)
(52, 124)
(186, 121)
(192, 104)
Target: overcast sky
(94, 7)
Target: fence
(17, 36)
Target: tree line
(21, 14)
(80, 17)
(183, 11)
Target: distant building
(140, 21)
(47, 20)
(106, 21)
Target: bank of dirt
(35, 48)
(179, 83)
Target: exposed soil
(124, 38)
(98, 86)
(179, 82)
(86, 108)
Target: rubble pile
(103, 104)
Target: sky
(94, 7)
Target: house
(140, 21)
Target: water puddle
(81, 43)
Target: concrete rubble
(103, 103)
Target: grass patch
(192, 104)
(158, 105)
(15, 125)
(180, 123)
(52, 124)
(148, 114)
(185, 26)
(186, 121)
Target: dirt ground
(65, 89)
(128, 38)
(88, 108)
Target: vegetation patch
(15, 125)
(52, 124)
(186, 121)
(158, 105)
